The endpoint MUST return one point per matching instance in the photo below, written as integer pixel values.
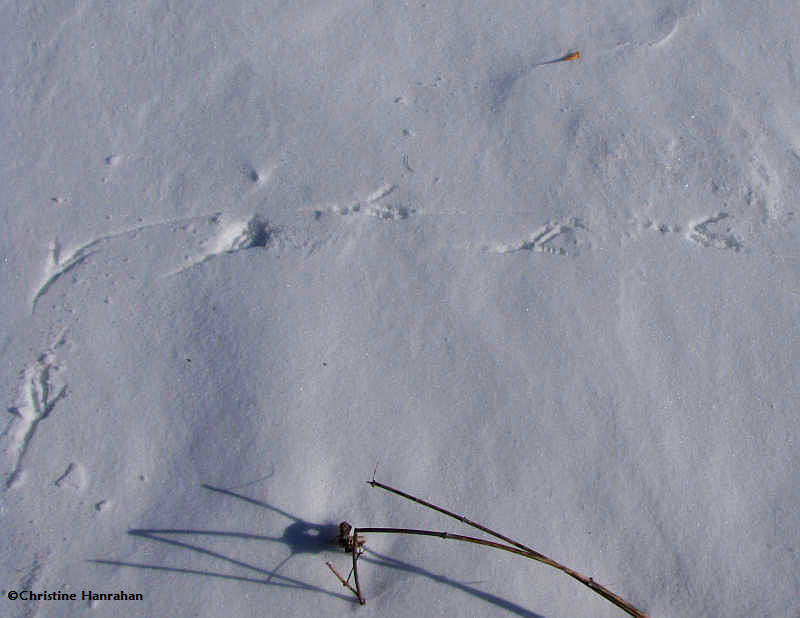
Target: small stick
(461, 518)
(527, 551)
(345, 583)
(356, 554)
(355, 542)
(350, 543)
(455, 537)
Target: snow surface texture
(251, 249)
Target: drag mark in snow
(545, 239)
(667, 23)
(74, 477)
(39, 396)
(58, 267)
(663, 28)
(227, 237)
(380, 192)
(255, 232)
(32, 576)
(70, 469)
(656, 33)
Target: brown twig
(354, 543)
(344, 581)
(527, 551)
(356, 554)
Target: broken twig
(351, 540)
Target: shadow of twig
(300, 537)
(393, 563)
(271, 577)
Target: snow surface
(252, 249)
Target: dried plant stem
(353, 544)
(344, 581)
(356, 554)
(528, 552)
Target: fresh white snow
(251, 250)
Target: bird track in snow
(57, 268)
(216, 234)
(73, 477)
(225, 237)
(219, 237)
(368, 206)
(39, 396)
(705, 233)
(708, 231)
(543, 239)
(233, 237)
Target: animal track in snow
(255, 232)
(661, 228)
(39, 397)
(389, 211)
(29, 581)
(655, 32)
(369, 206)
(58, 267)
(73, 477)
(553, 238)
(197, 239)
(708, 233)
(174, 245)
(148, 252)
